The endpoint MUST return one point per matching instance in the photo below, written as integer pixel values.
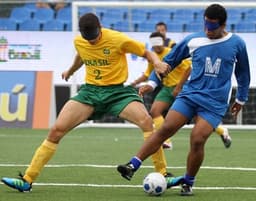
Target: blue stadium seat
(234, 15)
(194, 27)
(20, 14)
(112, 15)
(146, 26)
(83, 10)
(109, 18)
(64, 15)
(53, 25)
(123, 26)
(250, 15)
(43, 15)
(244, 27)
(160, 15)
(31, 7)
(183, 15)
(30, 25)
(175, 27)
(68, 27)
(139, 15)
(7, 24)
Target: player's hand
(235, 109)
(65, 75)
(145, 89)
(162, 68)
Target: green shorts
(165, 95)
(106, 99)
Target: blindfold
(156, 41)
(211, 25)
(91, 34)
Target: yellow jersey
(105, 62)
(174, 77)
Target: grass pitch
(84, 166)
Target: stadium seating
(244, 27)
(146, 26)
(83, 10)
(43, 15)
(7, 24)
(183, 15)
(68, 27)
(142, 19)
(20, 14)
(194, 27)
(64, 15)
(139, 15)
(30, 25)
(176, 27)
(123, 26)
(31, 7)
(157, 15)
(53, 25)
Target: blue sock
(189, 179)
(136, 162)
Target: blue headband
(211, 25)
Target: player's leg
(205, 122)
(173, 121)
(160, 105)
(156, 111)
(224, 135)
(72, 114)
(136, 113)
(200, 133)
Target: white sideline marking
(114, 166)
(138, 186)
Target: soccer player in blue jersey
(215, 55)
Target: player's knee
(55, 134)
(197, 144)
(146, 123)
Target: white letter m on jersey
(212, 70)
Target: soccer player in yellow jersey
(172, 83)
(103, 51)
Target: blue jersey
(213, 63)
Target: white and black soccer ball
(154, 184)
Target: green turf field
(84, 166)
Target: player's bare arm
(160, 67)
(183, 79)
(77, 63)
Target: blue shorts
(190, 110)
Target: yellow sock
(158, 122)
(43, 154)
(219, 130)
(158, 158)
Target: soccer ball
(154, 184)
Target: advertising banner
(54, 51)
(25, 99)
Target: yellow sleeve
(148, 70)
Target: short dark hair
(161, 24)
(156, 34)
(216, 12)
(89, 26)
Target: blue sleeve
(153, 77)
(179, 52)
(242, 73)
